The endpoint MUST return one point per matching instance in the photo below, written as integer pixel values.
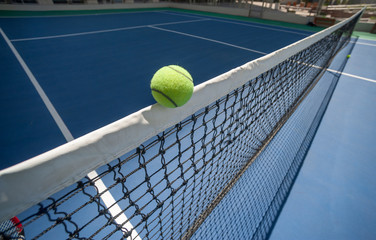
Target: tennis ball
(172, 86)
(348, 56)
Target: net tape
(170, 184)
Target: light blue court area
(334, 194)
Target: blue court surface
(95, 69)
(334, 194)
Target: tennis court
(97, 69)
(66, 76)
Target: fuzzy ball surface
(172, 86)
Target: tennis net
(219, 167)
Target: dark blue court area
(96, 69)
(65, 76)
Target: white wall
(364, 27)
(267, 13)
(286, 17)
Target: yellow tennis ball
(172, 86)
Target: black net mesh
(223, 173)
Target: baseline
(82, 13)
(103, 31)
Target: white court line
(208, 39)
(80, 14)
(172, 23)
(102, 31)
(351, 75)
(113, 207)
(63, 128)
(107, 198)
(75, 34)
(342, 73)
(338, 72)
(362, 43)
(179, 14)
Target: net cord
(41, 176)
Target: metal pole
(319, 7)
(250, 9)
